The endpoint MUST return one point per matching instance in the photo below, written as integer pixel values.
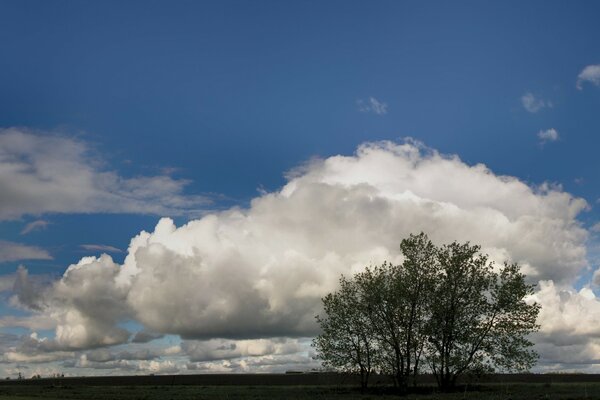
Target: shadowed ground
(290, 386)
(520, 391)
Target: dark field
(282, 387)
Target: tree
(417, 277)
(479, 318)
(397, 303)
(346, 342)
(384, 314)
(447, 305)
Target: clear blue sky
(229, 95)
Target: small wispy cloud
(596, 227)
(100, 247)
(372, 105)
(549, 135)
(11, 251)
(590, 74)
(533, 104)
(33, 226)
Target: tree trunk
(363, 381)
(402, 383)
(447, 381)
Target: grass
(516, 391)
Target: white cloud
(38, 225)
(259, 355)
(101, 248)
(257, 273)
(120, 366)
(221, 349)
(257, 364)
(591, 74)
(570, 327)
(34, 323)
(136, 353)
(86, 304)
(54, 174)
(11, 251)
(17, 357)
(31, 349)
(372, 105)
(549, 135)
(533, 104)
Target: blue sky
(211, 88)
(223, 98)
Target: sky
(181, 182)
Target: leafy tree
(397, 303)
(416, 277)
(447, 305)
(346, 342)
(479, 318)
(383, 313)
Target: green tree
(346, 342)
(417, 276)
(479, 318)
(447, 305)
(397, 299)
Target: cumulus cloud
(116, 367)
(533, 104)
(570, 322)
(11, 251)
(37, 225)
(249, 274)
(41, 173)
(31, 349)
(28, 291)
(591, 74)
(258, 355)
(549, 135)
(372, 105)
(220, 349)
(86, 304)
(261, 364)
(146, 354)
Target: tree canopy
(445, 309)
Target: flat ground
(513, 391)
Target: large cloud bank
(259, 272)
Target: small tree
(346, 342)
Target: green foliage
(397, 303)
(346, 343)
(446, 305)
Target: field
(142, 388)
